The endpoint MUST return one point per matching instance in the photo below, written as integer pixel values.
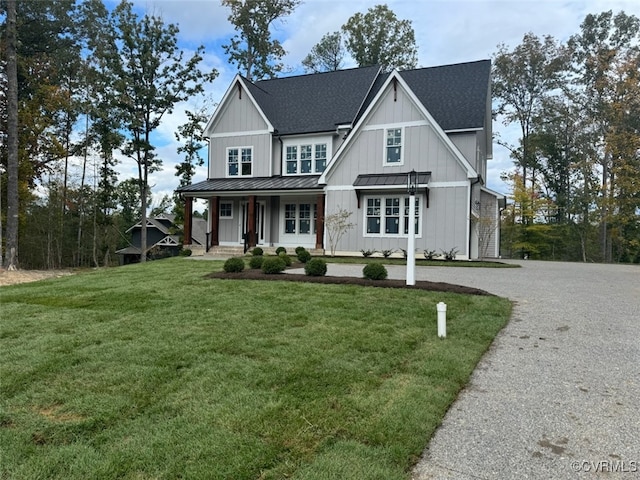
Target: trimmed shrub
(285, 258)
(185, 252)
(300, 249)
(256, 262)
(304, 256)
(316, 267)
(387, 253)
(280, 250)
(257, 251)
(375, 271)
(272, 265)
(367, 253)
(233, 265)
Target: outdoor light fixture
(412, 182)
(412, 186)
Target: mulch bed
(257, 274)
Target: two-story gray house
(285, 153)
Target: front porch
(238, 223)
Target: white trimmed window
(300, 218)
(305, 159)
(393, 146)
(226, 210)
(239, 161)
(388, 216)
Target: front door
(244, 221)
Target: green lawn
(153, 371)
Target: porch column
(215, 221)
(320, 221)
(251, 227)
(188, 220)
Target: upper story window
(305, 159)
(393, 144)
(239, 161)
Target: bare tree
(486, 226)
(337, 225)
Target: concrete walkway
(558, 394)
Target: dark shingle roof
(303, 182)
(455, 95)
(313, 103)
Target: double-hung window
(239, 161)
(305, 159)
(393, 146)
(389, 216)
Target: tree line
(576, 184)
(84, 82)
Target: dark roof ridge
(301, 75)
(445, 66)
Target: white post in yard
(442, 319)
(412, 183)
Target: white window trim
(226, 161)
(383, 198)
(230, 217)
(402, 145)
(313, 215)
(299, 142)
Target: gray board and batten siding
(444, 222)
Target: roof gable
(455, 95)
(243, 86)
(395, 76)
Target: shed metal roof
(388, 179)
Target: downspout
(471, 184)
(279, 137)
(209, 221)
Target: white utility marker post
(442, 319)
(412, 185)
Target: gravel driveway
(558, 394)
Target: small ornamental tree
(337, 225)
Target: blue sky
(447, 31)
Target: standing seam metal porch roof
(302, 182)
